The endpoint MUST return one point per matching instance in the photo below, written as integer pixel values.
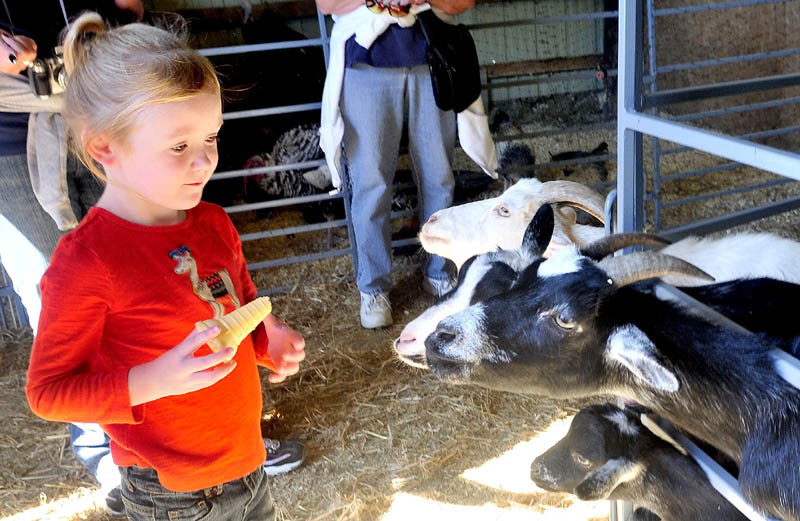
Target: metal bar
(716, 224)
(750, 136)
(274, 291)
(405, 242)
(727, 60)
(291, 230)
(730, 191)
(729, 88)
(544, 66)
(277, 203)
(551, 78)
(710, 169)
(230, 174)
(630, 178)
(735, 149)
(285, 261)
(544, 20)
(608, 211)
(719, 478)
(547, 133)
(323, 35)
(721, 5)
(556, 164)
(271, 111)
(789, 365)
(702, 171)
(316, 256)
(651, 47)
(260, 47)
(736, 109)
(701, 309)
(630, 169)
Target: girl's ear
(100, 149)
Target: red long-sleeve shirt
(111, 300)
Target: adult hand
(15, 51)
(286, 348)
(453, 6)
(132, 5)
(178, 371)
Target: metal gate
(638, 116)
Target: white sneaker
(437, 287)
(375, 311)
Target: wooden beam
(521, 68)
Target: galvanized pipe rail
(633, 123)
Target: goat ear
(629, 346)
(539, 231)
(599, 483)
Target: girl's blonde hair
(114, 73)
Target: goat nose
(432, 219)
(537, 470)
(405, 340)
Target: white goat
(463, 231)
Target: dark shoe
(114, 504)
(283, 456)
(437, 287)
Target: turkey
(296, 145)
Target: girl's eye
(212, 139)
(180, 148)
(503, 210)
(563, 323)
(580, 460)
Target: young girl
(116, 342)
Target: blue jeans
(243, 499)
(29, 234)
(91, 446)
(373, 103)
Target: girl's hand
(178, 372)
(286, 348)
(15, 51)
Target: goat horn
(633, 267)
(611, 243)
(577, 195)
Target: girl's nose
(201, 160)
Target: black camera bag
(453, 62)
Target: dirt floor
(384, 441)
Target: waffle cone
(237, 324)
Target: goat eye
(580, 460)
(563, 323)
(503, 210)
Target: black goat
(609, 454)
(571, 326)
(599, 150)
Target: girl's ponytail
(79, 37)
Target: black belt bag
(453, 61)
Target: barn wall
(731, 32)
(681, 38)
(495, 45)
